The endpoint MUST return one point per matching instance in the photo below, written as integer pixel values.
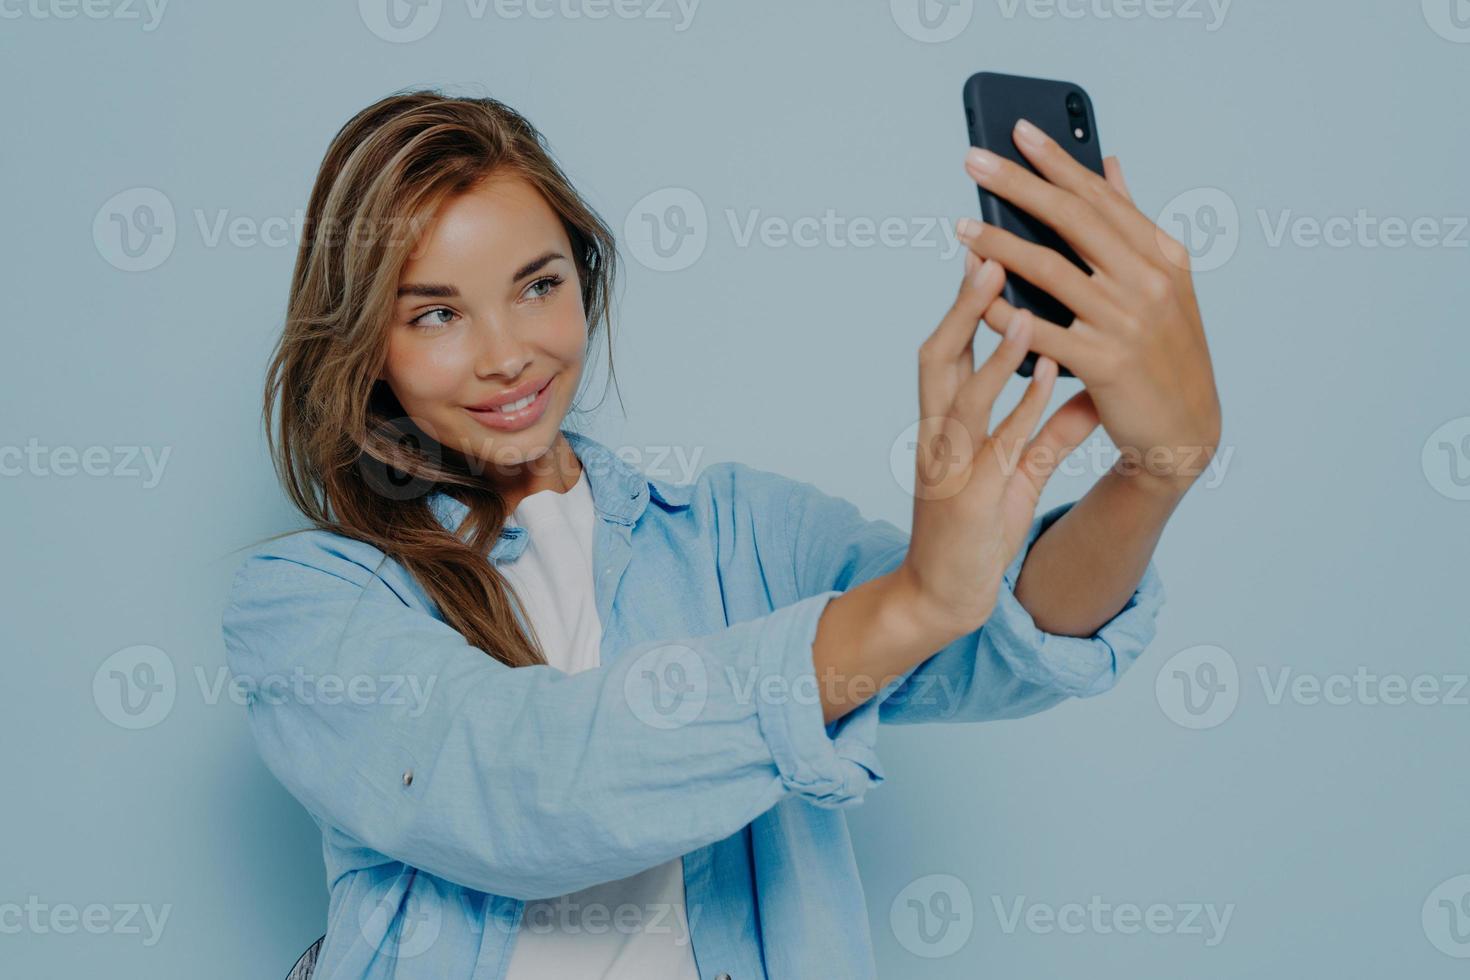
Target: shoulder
(298, 598)
(718, 486)
(306, 562)
(782, 512)
(731, 485)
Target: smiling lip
(511, 421)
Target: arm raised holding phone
(1137, 344)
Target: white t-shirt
(553, 578)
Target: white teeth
(517, 406)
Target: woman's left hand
(1138, 343)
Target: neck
(558, 469)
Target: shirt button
(723, 976)
(408, 777)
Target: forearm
(1083, 569)
(865, 638)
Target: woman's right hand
(976, 489)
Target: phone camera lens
(1074, 104)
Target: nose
(500, 352)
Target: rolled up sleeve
(1070, 665)
(829, 765)
(1007, 668)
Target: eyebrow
(435, 290)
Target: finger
(1061, 168)
(1114, 171)
(1042, 266)
(1068, 346)
(1015, 429)
(1009, 440)
(1062, 433)
(953, 340)
(1085, 227)
(976, 397)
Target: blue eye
(550, 282)
(539, 290)
(415, 322)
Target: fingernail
(982, 161)
(1029, 135)
(1013, 329)
(967, 228)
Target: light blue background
(1325, 548)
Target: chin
(511, 449)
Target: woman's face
(489, 310)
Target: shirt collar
(620, 493)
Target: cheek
(424, 372)
(567, 336)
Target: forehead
(502, 219)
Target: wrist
(911, 616)
(866, 637)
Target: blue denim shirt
(449, 788)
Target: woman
(557, 718)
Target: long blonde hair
(347, 454)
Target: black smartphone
(1063, 111)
